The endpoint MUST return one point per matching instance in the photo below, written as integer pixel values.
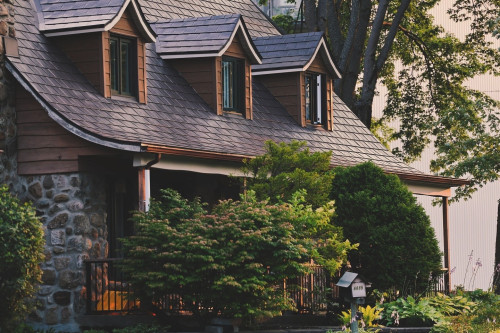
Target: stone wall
(73, 209)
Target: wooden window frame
(118, 68)
(315, 99)
(236, 89)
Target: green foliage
(285, 22)
(411, 312)
(25, 328)
(370, 315)
(382, 132)
(397, 246)
(484, 316)
(141, 328)
(286, 168)
(229, 261)
(21, 251)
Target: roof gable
(292, 53)
(203, 37)
(68, 17)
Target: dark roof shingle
(175, 115)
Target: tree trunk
(352, 54)
(310, 12)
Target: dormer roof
(202, 37)
(292, 53)
(68, 17)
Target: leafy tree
(21, 251)
(229, 261)
(428, 92)
(285, 22)
(397, 245)
(286, 168)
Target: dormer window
(298, 70)
(233, 85)
(123, 61)
(314, 101)
(109, 50)
(214, 54)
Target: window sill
(124, 98)
(235, 113)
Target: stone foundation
(72, 208)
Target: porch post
(446, 245)
(144, 189)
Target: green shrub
(141, 328)
(483, 317)
(397, 245)
(286, 168)
(230, 261)
(21, 251)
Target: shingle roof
(291, 52)
(175, 116)
(202, 37)
(73, 16)
(160, 10)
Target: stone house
(105, 102)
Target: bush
(21, 251)
(398, 248)
(228, 262)
(286, 168)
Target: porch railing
(108, 291)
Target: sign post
(353, 288)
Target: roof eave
(326, 57)
(141, 23)
(246, 40)
(65, 123)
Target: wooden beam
(142, 189)
(446, 245)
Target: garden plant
(21, 251)
(228, 262)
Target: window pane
(125, 53)
(114, 61)
(228, 84)
(308, 97)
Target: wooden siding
(44, 147)
(85, 52)
(329, 103)
(200, 74)
(317, 66)
(285, 88)
(236, 50)
(106, 66)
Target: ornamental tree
(21, 252)
(230, 261)
(397, 245)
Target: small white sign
(358, 289)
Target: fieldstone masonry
(72, 208)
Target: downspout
(145, 184)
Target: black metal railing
(108, 291)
